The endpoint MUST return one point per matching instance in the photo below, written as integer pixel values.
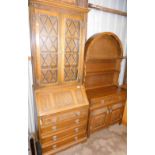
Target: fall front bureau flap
(52, 100)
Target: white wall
(99, 21)
(114, 4)
(31, 105)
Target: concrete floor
(109, 141)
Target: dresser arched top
(103, 46)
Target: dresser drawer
(120, 97)
(62, 142)
(62, 134)
(64, 125)
(106, 100)
(57, 118)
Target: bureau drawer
(62, 142)
(54, 119)
(64, 125)
(62, 134)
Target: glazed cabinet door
(116, 113)
(98, 119)
(47, 47)
(72, 48)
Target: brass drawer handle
(77, 121)
(77, 113)
(54, 146)
(76, 129)
(54, 120)
(54, 138)
(54, 128)
(76, 138)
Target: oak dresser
(103, 54)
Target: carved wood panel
(116, 113)
(48, 45)
(72, 49)
(98, 121)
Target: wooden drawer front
(54, 119)
(62, 142)
(63, 125)
(99, 111)
(113, 99)
(118, 98)
(108, 99)
(65, 133)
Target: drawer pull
(54, 138)
(77, 121)
(76, 138)
(54, 120)
(77, 113)
(76, 129)
(54, 146)
(54, 128)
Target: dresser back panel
(100, 66)
(103, 53)
(95, 81)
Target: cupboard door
(72, 49)
(116, 112)
(47, 49)
(98, 118)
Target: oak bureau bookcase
(57, 31)
(103, 54)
